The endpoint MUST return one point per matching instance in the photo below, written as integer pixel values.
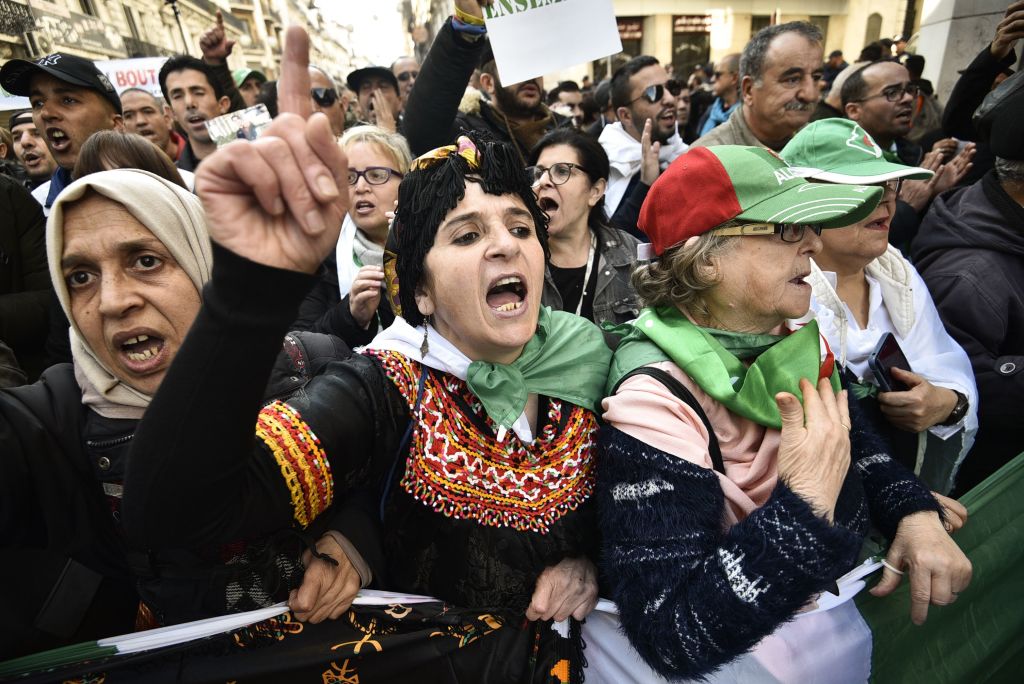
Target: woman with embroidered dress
(471, 417)
(726, 506)
(348, 303)
(591, 262)
(129, 254)
(864, 288)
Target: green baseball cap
(708, 186)
(241, 74)
(840, 151)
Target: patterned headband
(464, 147)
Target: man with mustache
(71, 99)
(515, 114)
(30, 149)
(779, 72)
(150, 117)
(644, 140)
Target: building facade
(116, 29)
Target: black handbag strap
(684, 395)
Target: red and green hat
(840, 151)
(708, 186)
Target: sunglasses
(324, 97)
(406, 75)
(655, 93)
(789, 232)
(374, 175)
(558, 173)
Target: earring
(425, 347)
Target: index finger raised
(293, 87)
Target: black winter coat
(970, 252)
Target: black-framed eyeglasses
(559, 172)
(654, 93)
(788, 232)
(324, 97)
(894, 93)
(406, 75)
(374, 175)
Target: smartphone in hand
(886, 356)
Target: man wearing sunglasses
(324, 93)
(406, 70)
(779, 72)
(644, 140)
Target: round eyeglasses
(374, 175)
(788, 232)
(558, 173)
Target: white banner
(133, 73)
(123, 73)
(535, 37)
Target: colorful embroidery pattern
(463, 472)
(304, 466)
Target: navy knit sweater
(692, 595)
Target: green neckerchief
(744, 345)
(567, 359)
(748, 391)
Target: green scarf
(567, 359)
(713, 360)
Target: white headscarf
(175, 217)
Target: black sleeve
(11, 374)
(429, 119)
(904, 226)
(339, 321)
(23, 312)
(197, 473)
(974, 84)
(628, 212)
(222, 73)
(320, 298)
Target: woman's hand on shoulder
(814, 452)
(327, 590)
(938, 570)
(564, 590)
(918, 408)
(280, 200)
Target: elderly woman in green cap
(736, 483)
(864, 289)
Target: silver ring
(892, 567)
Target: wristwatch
(958, 412)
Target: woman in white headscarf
(129, 254)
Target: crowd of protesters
(508, 347)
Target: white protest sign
(133, 73)
(531, 38)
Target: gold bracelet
(468, 18)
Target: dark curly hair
(426, 196)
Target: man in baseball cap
(30, 148)
(750, 188)
(375, 87)
(249, 82)
(71, 99)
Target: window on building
(129, 17)
(631, 33)
(874, 30)
(759, 21)
(822, 23)
(87, 7)
(691, 43)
